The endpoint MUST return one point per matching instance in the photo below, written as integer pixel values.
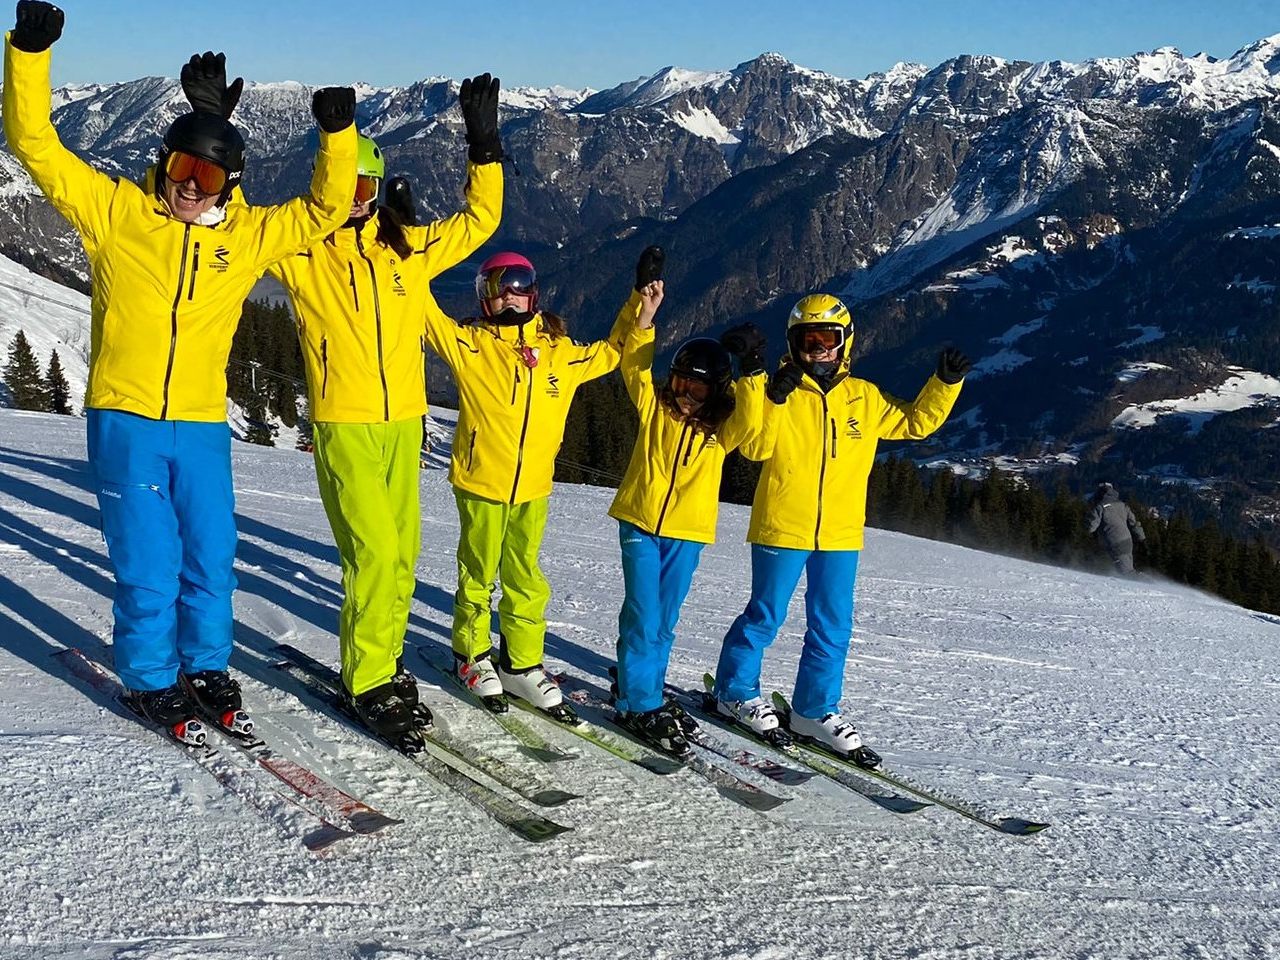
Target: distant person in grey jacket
(1116, 526)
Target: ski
(232, 778)
(532, 743)
(866, 788)
(323, 683)
(727, 784)
(1017, 826)
(361, 817)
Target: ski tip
(539, 830)
(554, 798)
(1021, 828)
(751, 799)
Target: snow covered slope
(52, 316)
(1139, 718)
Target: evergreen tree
(22, 375)
(59, 390)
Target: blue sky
(576, 43)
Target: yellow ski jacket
(818, 451)
(167, 295)
(515, 384)
(672, 484)
(360, 308)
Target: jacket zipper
(377, 320)
(822, 476)
(195, 268)
(355, 294)
(675, 468)
(471, 451)
(515, 383)
(524, 429)
(173, 320)
(324, 365)
(833, 438)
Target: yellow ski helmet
(820, 316)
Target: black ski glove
(334, 108)
(478, 99)
(953, 365)
(400, 200)
(783, 383)
(747, 343)
(649, 267)
(204, 81)
(39, 24)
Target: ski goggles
(208, 177)
(521, 281)
(809, 339)
(367, 188)
(695, 390)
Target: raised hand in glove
(783, 383)
(400, 199)
(38, 25)
(204, 81)
(953, 365)
(478, 99)
(649, 266)
(747, 343)
(334, 108)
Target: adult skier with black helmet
(818, 443)
(171, 262)
(667, 503)
(359, 297)
(517, 371)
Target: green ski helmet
(370, 169)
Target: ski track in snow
(1139, 718)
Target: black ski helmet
(210, 137)
(704, 360)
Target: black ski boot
(381, 710)
(688, 725)
(659, 729)
(170, 708)
(216, 695)
(406, 688)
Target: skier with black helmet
(172, 261)
(818, 443)
(359, 297)
(517, 371)
(667, 503)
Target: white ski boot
(756, 714)
(534, 687)
(480, 676)
(833, 732)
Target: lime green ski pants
(500, 540)
(368, 475)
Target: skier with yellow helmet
(360, 295)
(818, 443)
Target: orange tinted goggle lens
(208, 177)
(687, 387)
(366, 189)
(819, 341)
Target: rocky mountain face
(1096, 235)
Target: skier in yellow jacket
(818, 443)
(667, 504)
(517, 371)
(171, 262)
(359, 298)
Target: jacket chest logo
(221, 260)
(397, 285)
(553, 386)
(851, 429)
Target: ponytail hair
(391, 232)
(711, 416)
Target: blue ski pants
(164, 490)
(656, 573)
(828, 603)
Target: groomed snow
(1137, 717)
(1245, 388)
